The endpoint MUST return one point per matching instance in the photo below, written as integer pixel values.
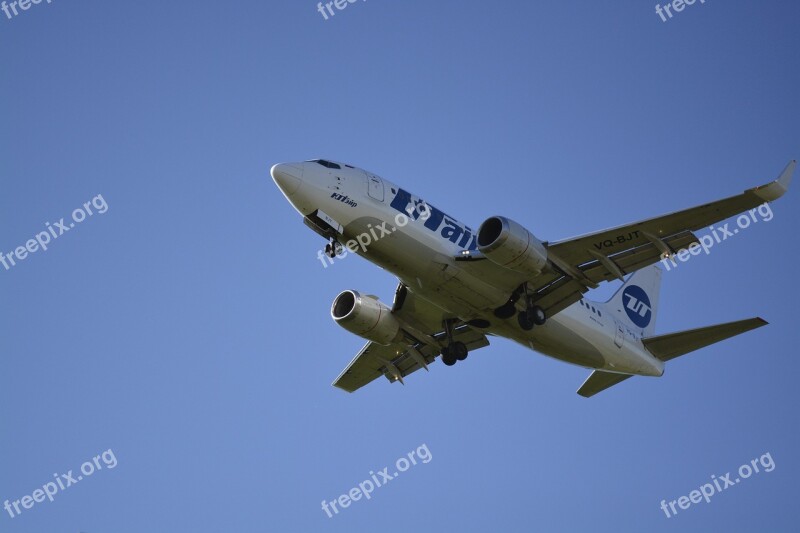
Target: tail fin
(636, 302)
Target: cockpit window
(326, 164)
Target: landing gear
(460, 350)
(533, 315)
(508, 309)
(538, 315)
(525, 321)
(455, 350)
(333, 248)
(448, 357)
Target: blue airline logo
(437, 221)
(637, 305)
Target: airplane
(458, 286)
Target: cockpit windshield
(326, 164)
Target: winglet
(776, 189)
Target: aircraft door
(619, 338)
(375, 187)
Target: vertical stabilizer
(635, 304)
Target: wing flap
(556, 295)
(637, 258)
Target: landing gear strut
(333, 248)
(455, 350)
(508, 309)
(532, 315)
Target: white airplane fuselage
(418, 243)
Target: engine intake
(510, 245)
(366, 317)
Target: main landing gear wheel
(538, 315)
(525, 321)
(534, 315)
(455, 350)
(459, 349)
(448, 357)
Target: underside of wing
(630, 247)
(423, 340)
(581, 263)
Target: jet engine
(509, 245)
(366, 317)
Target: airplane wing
(581, 263)
(423, 329)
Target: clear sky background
(187, 328)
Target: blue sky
(187, 327)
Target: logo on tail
(637, 305)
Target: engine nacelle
(366, 317)
(509, 245)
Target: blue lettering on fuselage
(437, 221)
(344, 199)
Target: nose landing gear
(333, 248)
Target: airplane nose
(287, 176)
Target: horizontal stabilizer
(672, 345)
(600, 381)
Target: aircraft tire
(448, 357)
(460, 350)
(538, 315)
(525, 321)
